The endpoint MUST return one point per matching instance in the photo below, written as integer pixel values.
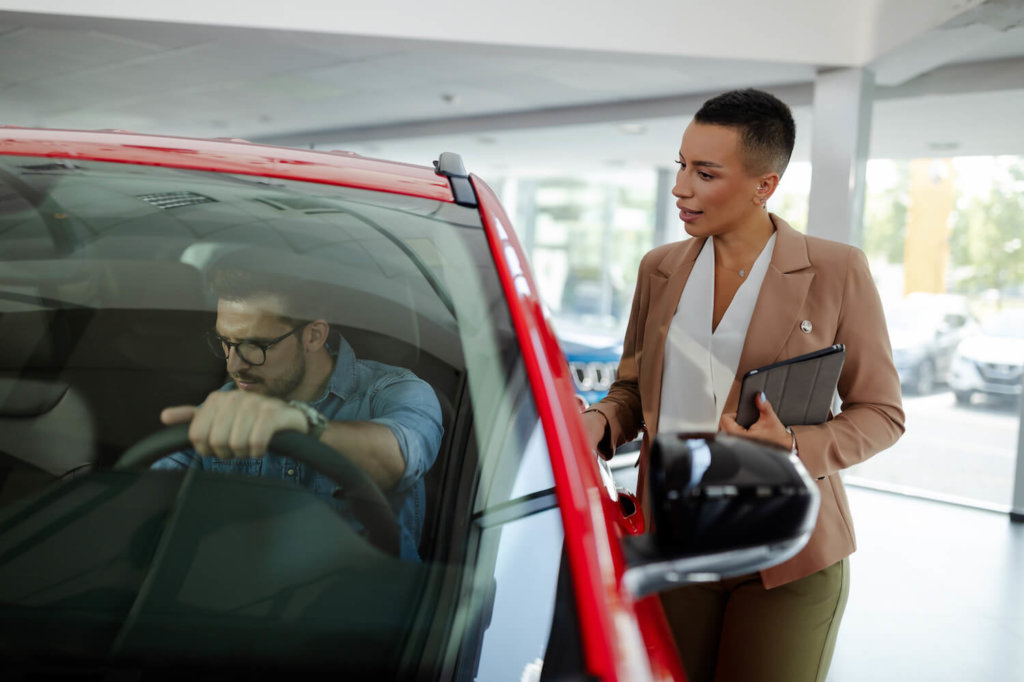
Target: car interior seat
(89, 357)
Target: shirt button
(291, 472)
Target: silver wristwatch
(314, 420)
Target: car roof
(228, 156)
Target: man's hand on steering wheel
(235, 424)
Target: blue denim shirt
(358, 390)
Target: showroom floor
(937, 594)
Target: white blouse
(700, 365)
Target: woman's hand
(766, 428)
(594, 426)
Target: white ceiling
(949, 73)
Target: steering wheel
(369, 506)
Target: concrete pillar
(666, 216)
(526, 213)
(1017, 508)
(839, 153)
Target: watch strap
(315, 420)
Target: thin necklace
(743, 272)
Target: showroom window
(585, 236)
(944, 240)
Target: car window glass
(105, 306)
(525, 578)
(523, 531)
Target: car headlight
(963, 372)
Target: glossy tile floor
(937, 594)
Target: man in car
(289, 372)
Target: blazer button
(806, 326)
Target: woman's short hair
(766, 126)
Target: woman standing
(745, 291)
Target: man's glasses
(250, 352)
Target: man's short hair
(298, 297)
(765, 123)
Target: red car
(532, 566)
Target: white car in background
(991, 362)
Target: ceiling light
(633, 128)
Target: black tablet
(800, 389)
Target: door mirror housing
(721, 506)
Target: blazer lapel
(777, 311)
(666, 285)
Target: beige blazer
(816, 293)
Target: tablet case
(799, 389)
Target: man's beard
(282, 387)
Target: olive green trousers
(737, 631)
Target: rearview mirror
(721, 506)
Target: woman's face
(714, 192)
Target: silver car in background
(992, 362)
(925, 330)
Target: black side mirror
(721, 506)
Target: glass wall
(944, 237)
(585, 236)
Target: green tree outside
(885, 216)
(988, 235)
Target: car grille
(1000, 373)
(593, 376)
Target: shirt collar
(343, 378)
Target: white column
(1017, 508)
(841, 131)
(526, 213)
(666, 215)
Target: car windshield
(106, 307)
